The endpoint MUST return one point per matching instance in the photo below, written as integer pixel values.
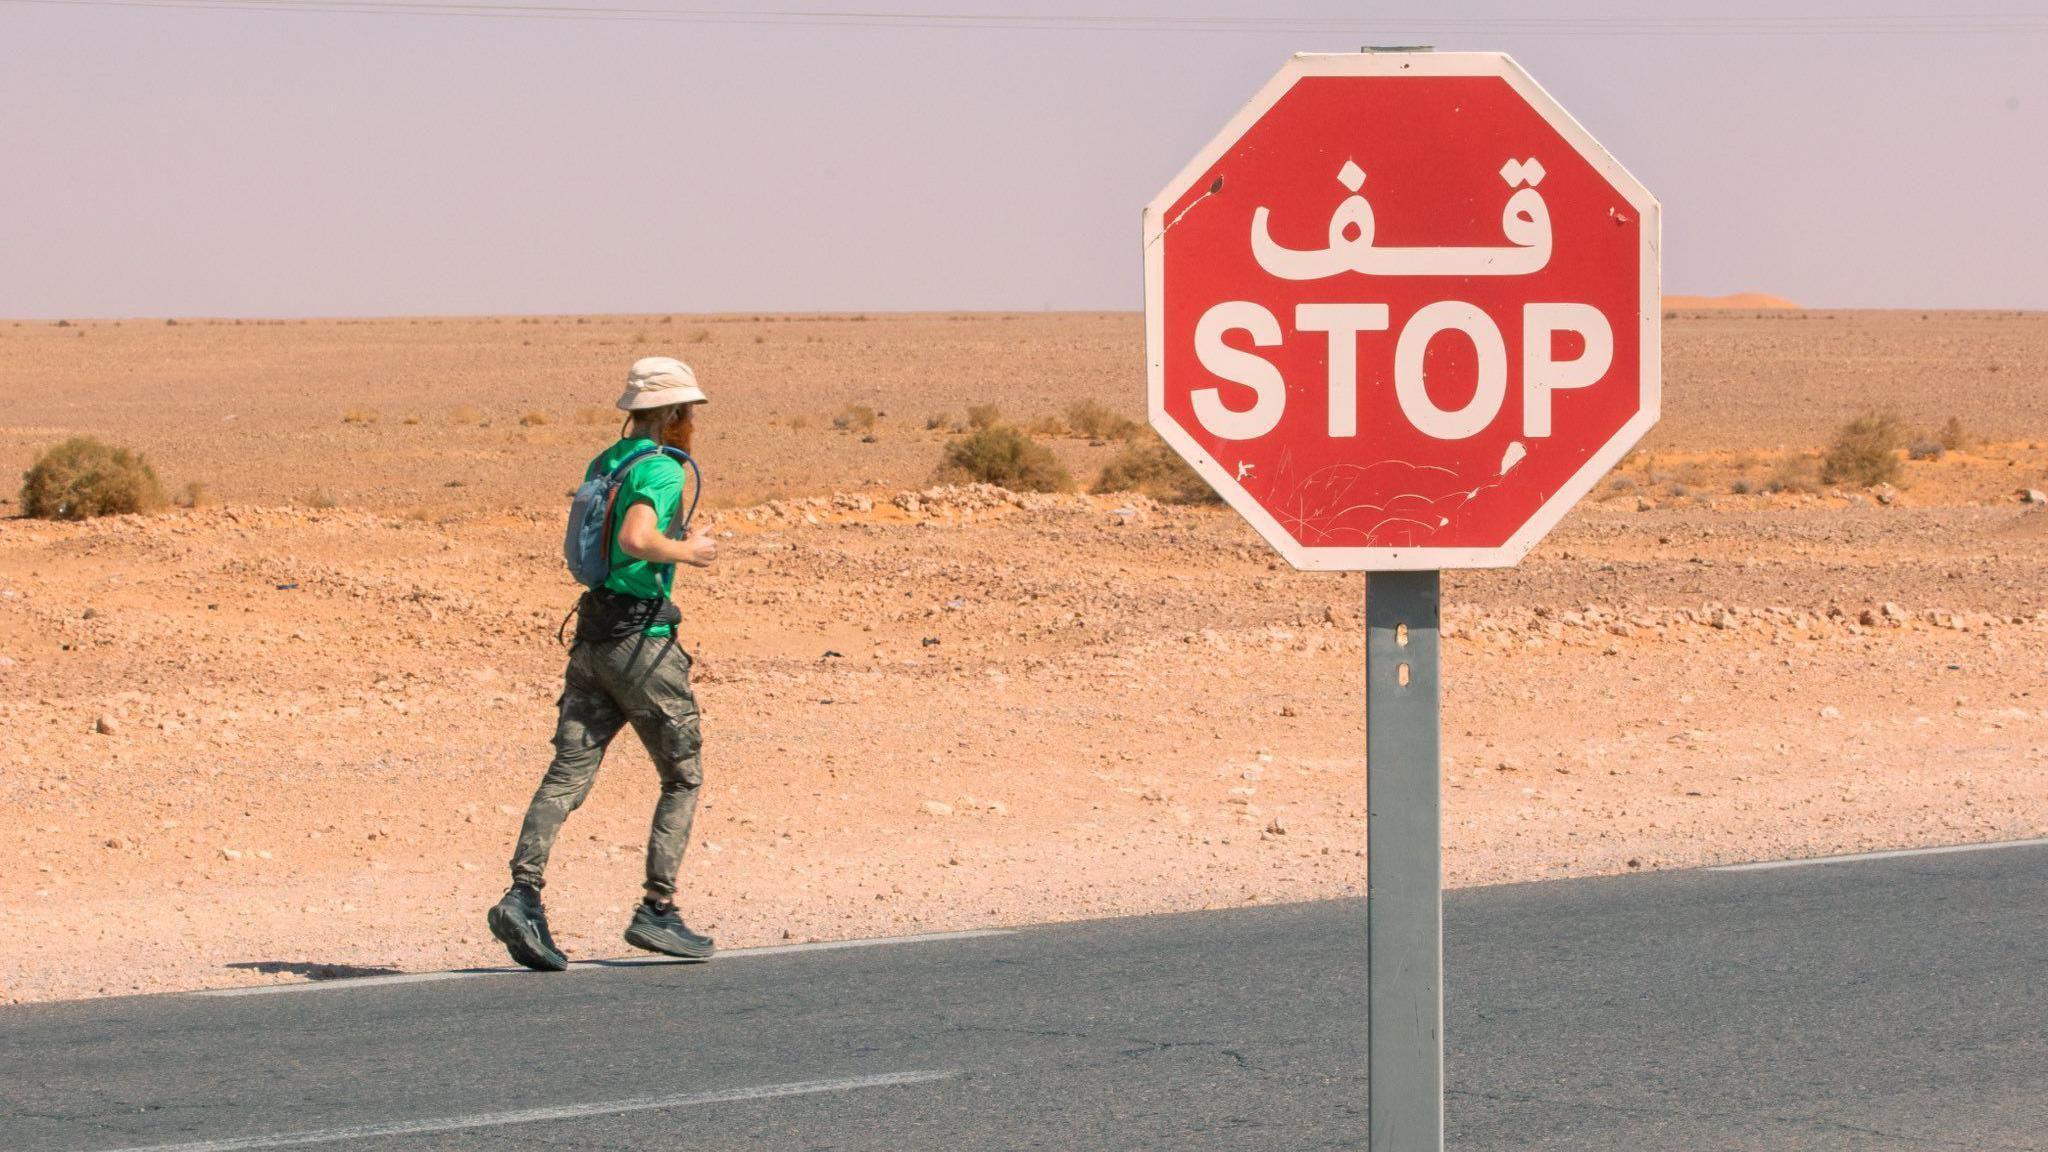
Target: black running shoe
(521, 924)
(662, 930)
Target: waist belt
(606, 615)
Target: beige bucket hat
(659, 381)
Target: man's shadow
(312, 970)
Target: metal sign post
(1404, 869)
(1401, 313)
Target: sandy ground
(948, 708)
(506, 408)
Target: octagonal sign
(1403, 311)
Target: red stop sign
(1402, 312)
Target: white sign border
(1650, 312)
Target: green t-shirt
(658, 483)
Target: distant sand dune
(1734, 300)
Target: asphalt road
(1867, 1005)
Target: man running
(627, 666)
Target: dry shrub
(799, 422)
(193, 495)
(1954, 436)
(700, 336)
(858, 417)
(1690, 473)
(465, 415)
(412, 418)
(1006, 457)
(320, 498)
(981, 416)
(1617, 485)
(1742, 486)
(1923, 448)
(1095, 421)
(360, 416)
(938, 420)
(1048, 426)
(83, 477)
(593, 416)
(1152, 469)
(1794, 474)
(1865, 451)
(1685, 473)
(533, 419)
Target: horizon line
(848, 314)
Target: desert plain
(286, 732)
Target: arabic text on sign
(1524, 220)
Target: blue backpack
(587, 546)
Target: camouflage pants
(644, 680)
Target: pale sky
(158, 159)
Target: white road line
(591, 965)
(1942, 850)
(539, 1115)
(821, 946)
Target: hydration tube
(682, 527)
(696, 488)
